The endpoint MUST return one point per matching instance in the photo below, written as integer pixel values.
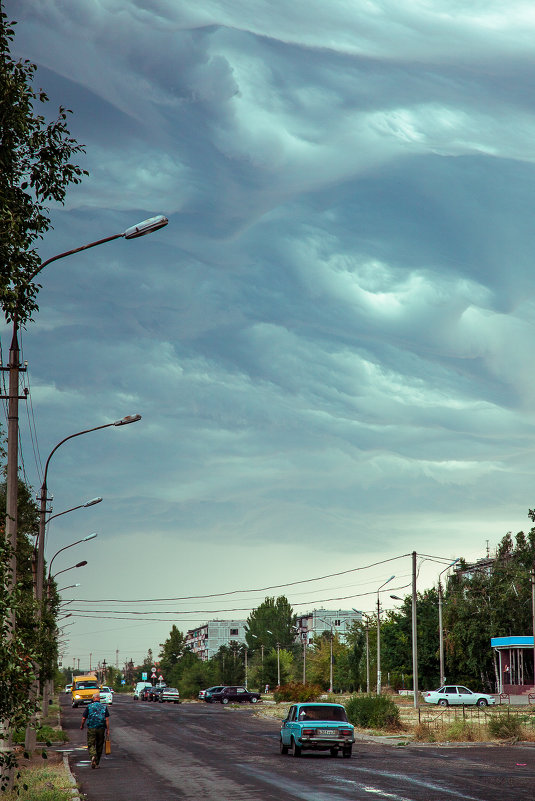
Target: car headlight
(77, 696)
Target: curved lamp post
(131, 418)
(440, 629)
(85, 539)
(92, 502)
(133, 232)
(79, 564)
(379, 635)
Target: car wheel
(334, 752)
(296, 749)
(482, 702)
(443, 702)
(283, 748)
(224, 700)
(346, 752)
(254, 700)
(75, 706)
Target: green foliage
(275, 616)
(294, 691)
(172, 650)
(502, 727)
(35, 167)
(460, 731)
(45, 734)
(373, 712)
(230, 661)
(197, 675)
(41, 784)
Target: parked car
(106, 695)
(170, 694)
(68, 688)
(155, 692)
(317, 727)
(209, 691)
(455, 694)
(144, 694)
(140, 686)
(233, 695)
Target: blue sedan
(317, 727)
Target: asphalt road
(165, 752)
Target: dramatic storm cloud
(330, 342)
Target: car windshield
(336, 713)
(86, 685)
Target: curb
(75, 792)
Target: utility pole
(414, 635)
(12, 479)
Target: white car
(106, 695)
(455, 694)
(68, 688)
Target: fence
(438, 720)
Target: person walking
(98, 728)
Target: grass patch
(47, 783)
(44, 734)
(505, 726)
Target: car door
(466, 696)
(452, 695)
(286, 728)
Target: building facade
(314, 623)
(206, 640)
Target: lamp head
(146, 227)
(93, 501)
(130, 418)
(90, 536)
(82, 564)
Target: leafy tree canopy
(271, 623)
(35, 168)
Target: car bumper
(324, 743)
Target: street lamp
(132, 418)
(80, 564)
(14, 368)
(85, 539)
(379, 635)
(92, 502)
(440, 629)
(367, 620)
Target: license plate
(326, 731)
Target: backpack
(96, 715)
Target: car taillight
(345, 732)
(309, 732)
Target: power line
(237, 592)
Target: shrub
(294, 691)
(461, 732)
(504, 726)
(373, 712)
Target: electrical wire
(237, 592)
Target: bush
(373, 712)
(294, 691)
(461, 732)
(504, 726)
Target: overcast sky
(330, 343)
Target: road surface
(198, 752)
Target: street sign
(144, 676)
(160, 677)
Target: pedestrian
(266, 689)
(98, 727)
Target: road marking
(409, 780)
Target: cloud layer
(330, 343)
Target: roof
(512, 642)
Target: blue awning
(511, 642)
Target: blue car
(317, 727)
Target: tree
(172, 650)
(270, 623)
(35, 168)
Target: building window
(336, 622)
(234, 632)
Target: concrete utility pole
(414, 635)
